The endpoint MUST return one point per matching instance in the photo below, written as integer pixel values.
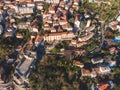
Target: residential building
(31, 4)
(77, 22)
(46, 27)
(38, 40)
(18, 48)
(97, 60)
(89, 29)
(88, 73)
(113, 23)
(8, 34)
(118, 18)
(113, 50)
(67, 27)
(59, 36)
(34, 29)
(112, 63)
(88, 23)
(79, 44)
(78, 64)
(23, 25)
(7, 1)
(98, 1)
(53, 1)
(38, 0)
(102, 69)
(33, 35)
(19, 35)
(25, 10)
(103, 86)
(74, 41)
(86, 15)
(51, 10)
(62, 21)
(53, 29)
(76, 2)
(95, 1)
(40, 6)
(86, 38)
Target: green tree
(55, 50)
(46, 7)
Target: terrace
(24, 65)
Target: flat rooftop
(23, 68)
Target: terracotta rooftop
(86, 71)
(103, 86)
(112, 49)
(38, 38)
(78, 62)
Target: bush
(55, 50)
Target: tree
(109, 34)
(46, 7)
(55, 50)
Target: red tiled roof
(86, 71)
(112, 49)
(38, 38)
(103, 86)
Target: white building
(31, 4)
(53, 1)
(22, 71)
(97, 60)
(88, 23)
(102, 69)
(88, 73)
(77, 22)
(25, 10)
(59, 36)
(38, 0)
(118, 18)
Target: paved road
(102, 40)
(103, 37)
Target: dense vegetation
(55, 73)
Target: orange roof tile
(76, 1)
(67, 25)
(38, 38)
(86, 71)
(112, 49)
(81, 44)
(77, 63)
(30, 3)
(52, 29)
(74, 41)
(96, 69)
(103, 86)
(19, 34)
(114, 27)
